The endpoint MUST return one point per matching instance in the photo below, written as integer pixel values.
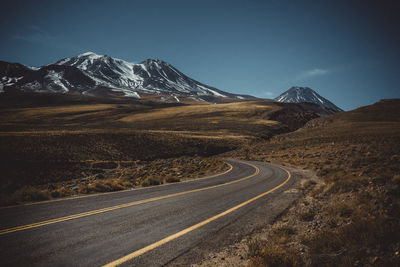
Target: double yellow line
(192, 228)
(130, 204)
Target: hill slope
(356, 157)
(42, 145)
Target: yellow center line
(116, 192)
(130, 204)
(191, 228)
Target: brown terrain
(78, 144)
(348, 214)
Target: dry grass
(352, 216)
(273, 252)
(217, 111)
(57, 111)
(54, 145)
(108, 176)
(251, 118)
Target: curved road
(145, 227)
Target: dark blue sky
(348, 51)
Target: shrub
(285, 229)
(307, 215)
(150, 182)
(309, 184)
(341, 209)
(396, 179)
(342, 246)
(101, 186)
(172, 179)
(31, 194)
(262, 254)
(343, 186)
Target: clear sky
(348, 51)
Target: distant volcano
(298, 94)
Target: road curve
(148, 227)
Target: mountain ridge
(93, 74)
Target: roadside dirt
(229, 247)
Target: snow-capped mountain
(94, 74)
(297, 94)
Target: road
(145, 227)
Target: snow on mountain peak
(88, 54)
(298, 94)
(152, 76)
(90, 73)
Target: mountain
(93, 74)
(305, 96)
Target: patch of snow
(163, 72)
(35, 85)
(131, 94)
(91, 54)
(32, 68)
(177, 99)
(197, 98)
(212, 91)
(319, 99)
(8, 81)
(239, 97)
(83, 65)
(55, 78)
(179, 74)
(145, 69)
(63, 61)
(88, 59)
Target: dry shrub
(317, 191)
(309, 185)
(284, 230)
(101, 186)
(281, 235)
(60, 192)
(341, 209)
(30, 193)
(150, 181)
(396, 179)
(171, 179)
(343, 186)
(347, 244)
(46, 158)
(255, 247)
(307, 215)
(275, 250)
(83, 189)
(129, 174)
(109, 185)
(262, 253)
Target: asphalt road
(146, 227)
